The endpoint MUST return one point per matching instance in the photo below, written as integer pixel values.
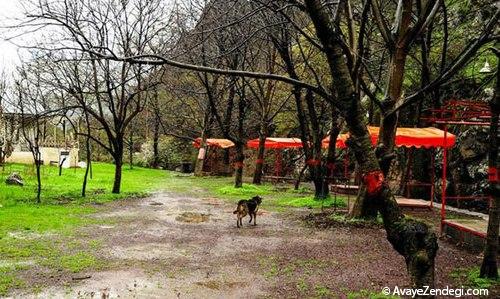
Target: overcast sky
(9, 11)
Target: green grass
(67, 188)
(8, 280)
(62, 205)
(246, 191)
(274, 197)
(310, 202)
(470, 278)
(44, 235)
(77, 262)
(31, 218)
(322, 291)
(38, 234)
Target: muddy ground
(170, 246)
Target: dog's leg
(250, 218)
(255, 218)
(238, 222)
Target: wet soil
(172, 246)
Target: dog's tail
(235, 212)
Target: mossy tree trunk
(414, 240)
(389, 123)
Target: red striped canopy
(276, 143)
(406, 137)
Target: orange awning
(406, 137)
(221, 143)
(272, 142)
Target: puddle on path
(191, 217)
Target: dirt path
(169, 246)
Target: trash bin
(186, 167)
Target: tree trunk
(156, 138)
(87, 169)
(321, 190)
(329, 166)
(90, 166)
(332, 150)
(238, 166)
(320, 183)
(387, 132)
(200, 160)
(131, 150)
(61, 166)
(118, 157)
(240, 144)
(414, 240)
(284, 52)
(389, 123)
(259, 163)
(299, 178)
(489, 267)
(362, 207)
(89, 158)
(202, 152)
(38, 180)
(118, 175)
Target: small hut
(216, 156)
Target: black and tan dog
(249, 207)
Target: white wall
(48, 154)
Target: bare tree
(32, 106)
(118, 89)
(228, 98)
(267, 102)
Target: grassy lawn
(62, 205)
(275, 197)
(32, 234)
(44, 235)
(67, 188)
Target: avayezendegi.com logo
(427, 291)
